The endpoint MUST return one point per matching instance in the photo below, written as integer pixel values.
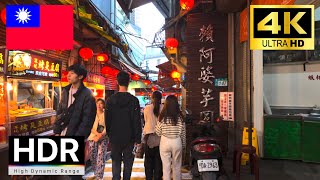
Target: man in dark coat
(84, 111)
(78, 100)
(123, 127)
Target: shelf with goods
(31, 97)
(4, 121)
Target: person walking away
(172, 130)
(123, 121)
(152, 161)
(98, 141)
(77, 109)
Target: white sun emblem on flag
(23, 15)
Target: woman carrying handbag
(172, 129)
(152, 162)
(98, 141)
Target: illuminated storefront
(31, 98)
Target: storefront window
(280, 57)
(315, 55)
(274, 57)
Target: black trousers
(76, 177)
(152, 163)
(122, 152)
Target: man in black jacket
(82, 107)
(123, 127)
(84, 111)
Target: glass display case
(28, 98)
(289, 57)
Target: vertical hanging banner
(48, 27)
(207, 44)
(2, 58)
(227, 106)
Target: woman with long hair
(172, 129)
(98, 141)
(152, 162)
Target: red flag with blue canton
(48, 27)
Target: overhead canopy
(166, 67)
(131, 69)
(128, 5)
(164, 78)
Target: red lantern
(86, 53)
(102, 57)
(175, 74)
(186, 4)
(153, 88)
(3, 15)
(147, 82)
(115, 72)
(106, 70)
(172, 43)
(135, 77)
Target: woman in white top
(98, 141)
(172, 130)
(152, 162)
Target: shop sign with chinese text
(94, 78)
(27, 65)
(2, 58)
(226, 106)
(31, 127)
(207, 45)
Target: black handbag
(100, 128)
(64, 118)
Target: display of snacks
(3, 135)
(25, 112)
(2, 119)
(13, 105)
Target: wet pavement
(278, 170)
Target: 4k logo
(282, 27)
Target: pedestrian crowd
(118, 122)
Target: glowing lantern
(115, 72)
(175, 74)
(186, 4)
(102, 57)
(106, 70)
(172, 43)
(147, 82)
(3, 15)
(86, 53)
(135, 77)
(153, 88)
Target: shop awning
(166, 67)
(131, 69)
(128, 5)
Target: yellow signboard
(245, 141)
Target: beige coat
(100, 119)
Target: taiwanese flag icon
(48, 27)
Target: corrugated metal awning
(131, 69)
